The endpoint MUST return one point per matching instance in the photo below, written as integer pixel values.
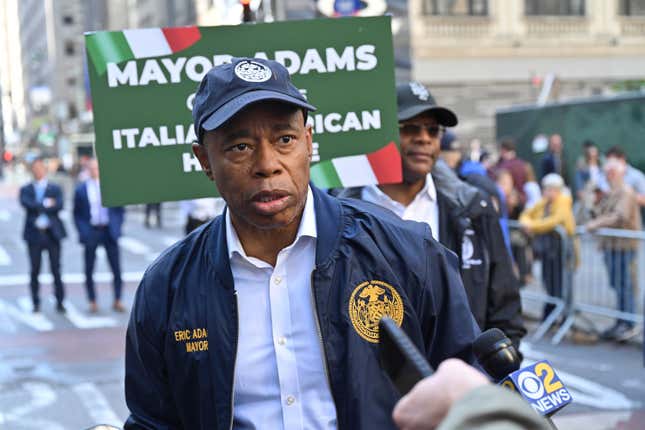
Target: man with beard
(267, 316)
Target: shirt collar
(307, 228)
(42, 183)
(428, 189)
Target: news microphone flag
(539, 385)
(378, 167)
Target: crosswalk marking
(41, 395)
(169, 241)
(96, 404)
(25, 315)
(6, 324)
(583, 390)
(134, 246)
(5, 258)
(72, 278)
(83, 321)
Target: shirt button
(277, 280)
(291, 400)
(282, 340)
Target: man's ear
(202, 155)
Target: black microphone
(496, 354)
(538, 383)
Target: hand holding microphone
(457, 395)
(426, 406)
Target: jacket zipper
(320, 338)
(237, 333)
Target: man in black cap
(460, 216)
(267, 316)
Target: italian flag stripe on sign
(107, 47)
(379, 167)
(118, 46)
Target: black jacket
(177, 383)
(469, 226)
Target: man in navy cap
(460, 216)
(267, 316)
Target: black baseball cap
(228, 88)
(412, 98)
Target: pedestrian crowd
(604, 191)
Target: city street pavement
(66, 371)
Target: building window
(632, 7)
(68, 20)
(555, 7)
(70, 49)
(457, 7)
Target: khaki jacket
(561, 214)
(618, 209)
(493, 408)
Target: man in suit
(43, 229)
(96, 226)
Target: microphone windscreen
(496, 354)
(486, 343)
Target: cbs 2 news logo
(540, 386)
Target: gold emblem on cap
(370, 301)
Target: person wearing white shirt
(43, 230)
(460, 217)
(98, 225)
(267, 316)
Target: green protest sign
(143, 83)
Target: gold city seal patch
(370, 301)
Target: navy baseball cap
(229, 88)
(449, 142)
(412, 99)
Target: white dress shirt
(98, 214)
(42, 221)
(280, 376)
(423, 208)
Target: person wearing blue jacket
(267, 316)
(98, 225)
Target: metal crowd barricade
(561, 305)
(587, 291)
(594, 292)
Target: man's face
(615, 170)
(420, 144)
(38, 169)
(259, 160)
(93, 168)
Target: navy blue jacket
(35, 208)
(83, 215)
(175, 383)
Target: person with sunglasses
(460, 216)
